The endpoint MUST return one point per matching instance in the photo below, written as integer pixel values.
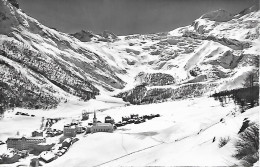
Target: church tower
(95, 119)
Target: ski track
(161, 142)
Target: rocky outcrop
(84, 36)
(14, 3)
(248, 10)
(154, 79)
(136, 52)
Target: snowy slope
(59, 65)
(182, 136)
(54, 62)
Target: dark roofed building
(23, 143)
(37, 133)
(70, 131)
(109, 119)
(134, 116)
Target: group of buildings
(71, 130)
(102, 127)
(46, 154)
(38, 143)
(134, 118)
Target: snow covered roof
(39, 131)
(103, 124)
(68, 140)
(26, 138)
(47, 155)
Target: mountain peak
(219, 15)
(108, 34)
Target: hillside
(200, 80)
(51, 65)
(207, 54)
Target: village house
(47, 156)
(53, 132)
(101, 127)
(85, 116)
(70, 130)
(67, 142)
(23, 143)
(43, 147)
(134, 116)
(37, 133)
(34, 162)
(109, 119)
(125, 119)
(10, 158)
(80, 129)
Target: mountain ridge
(202, 54)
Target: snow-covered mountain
(87, 36)
(217, 50)
(42, 64)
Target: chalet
(67, 142)
(85, 116)
(119, 124)
(101, 127)
(37, 133)
(69, 130)
(108, 119)
(80, 129)
(125, 118)
(131, 121)
(24, 143)
(134, 116)
(47, 156)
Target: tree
(248, 145)
(250, 79)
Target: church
(101, 127)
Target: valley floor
(188, 132)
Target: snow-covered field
(182, 136)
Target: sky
(124, 17)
